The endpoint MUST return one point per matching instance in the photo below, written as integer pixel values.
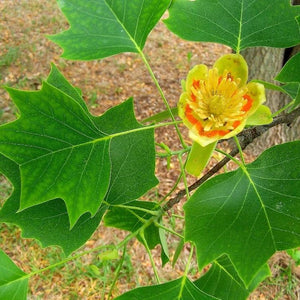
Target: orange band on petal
(196, 84)
(214, 133)
(236, 124)
(189, 115)
(199, 128)
(249, 103)
(193, 97)
(211, 133)
(223, 132)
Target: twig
(245, 138)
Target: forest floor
(25, 58)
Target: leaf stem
(283, 109)
(178, 216)
(64, 261)
(240, 149)
(182, 166)
(230, 157)
(173, 153)
(150, 256)
(162, 95)
(129, 207)
(168, 230)
(187, 268)
(117, 272)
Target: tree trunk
(264, 64)
(292, 132)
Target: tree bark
(264, 64)
(292, 132)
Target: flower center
(219, 102)
(216, 105)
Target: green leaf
(65, 152)
(47, 222)
(290, 72)
(177, 252)
(237, 23)
(290, 75)
(249, 213)
(12, 285)
(56, 79)
(60, 150)
(162, 116)
(103, 28)
(132, 218)
(292, 89)
(124, 162)
(222, 280)
(132, 154)
(168, 291)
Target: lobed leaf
(47, 222)
(220, 282)
(249, 213)
(181, 289)
(65, 152)
(102, 28)
(238, 24)
(223, 282)
(12, 284)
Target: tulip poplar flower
(218, 103)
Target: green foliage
(181, 288)
(223, 281)
(105, 27)
(133, 217)
(239, 24)
(74, 155)
(220, 282)
(69, 169)
(49, 221)
(290, 76)
(255, 204)
(12, 284)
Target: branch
(245, 138)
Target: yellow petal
(256, 91)
(181, 105)
(234, 132)
(200, 139)
(235, 64)
(261, 116)
(199, 72)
